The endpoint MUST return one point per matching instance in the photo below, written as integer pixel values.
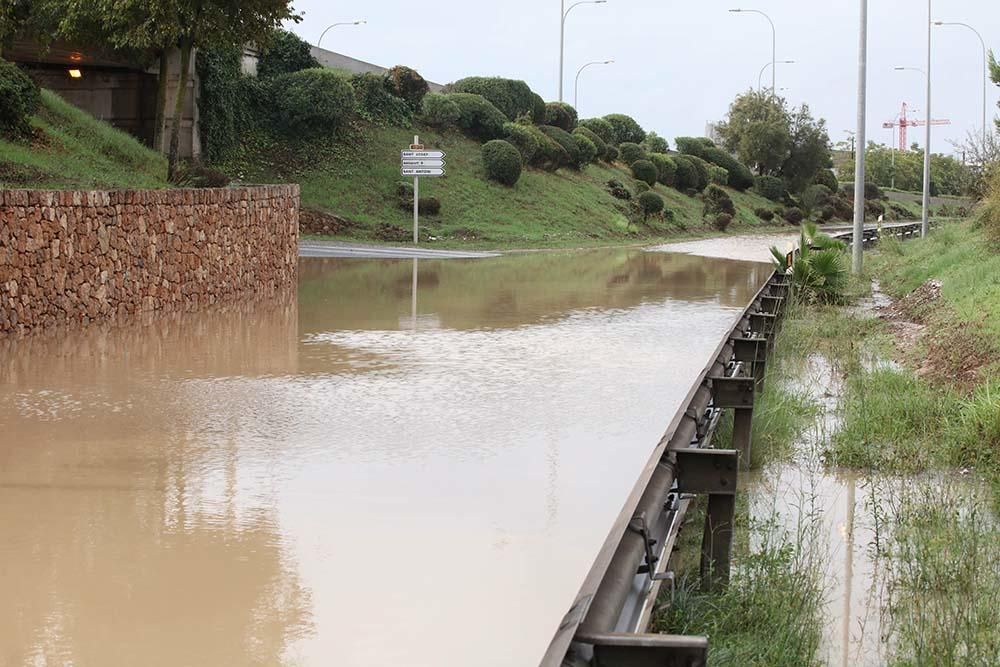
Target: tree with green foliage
(995, 77)
(758, 132)
(286, 53)
(809, 150)
(885, 166)
(624, 129)
(654, 143)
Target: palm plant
(818, 270)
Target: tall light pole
(925, 215)
(576, 84)
(857, 247)
(986, 74)
(761, 75)
(774, 44)
(562, 33)
(334, 26)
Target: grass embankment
(357, 180)
(73, 150)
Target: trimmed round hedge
(568, 143)
(666, 168)
(523, 139)
(561, 115)
(612, 155)
(740, 176)
(376, 103)
(718, 201)
(828, 178)
(312, 101)
(502, 162)
(718, 175)
(650, 203)
(512, 97)
(625, 129)
(770, 187)
(599, 144)
(19, 100)
(631, 152)
(645, 171)
(654, 143)
(701, 169)
(586, 147)
(440, 110)
(407, 83)
(477, 117)
(601, 128)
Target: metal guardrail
(608, 620)
(607, 623)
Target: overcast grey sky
(680, 63)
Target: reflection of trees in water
(127, 541)
(512, 290)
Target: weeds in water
(943, 595)
(771, 612)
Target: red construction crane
(904, 123)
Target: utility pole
(857, 257)
(925, 226)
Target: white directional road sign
(422, 155)
(423, 163)
(422, 171)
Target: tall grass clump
(943, 593)
(988, 215)
(771, 612)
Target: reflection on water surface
(356, 476)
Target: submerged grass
(769, 615)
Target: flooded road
(402, 463)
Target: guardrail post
(737, 393)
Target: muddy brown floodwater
(359, 474)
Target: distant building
(712, 132)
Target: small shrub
(19, 100)
(502, 162)
(407, 84)
(625, 129)
(477, 117)
(874, 209)
(873, 191)
(793, 216)
(599, 144)
(612, 155)
(630, 152)
(828, 178)
(440, 111)
(512, 97)
(721, 221)
(618, 191)
(586, 147)
(644, 170)
(550, 154)
(654, 143)
(764, 214)
(523, 139)
(718, 201)
(770, 187)
(718, 175)
(286, 53)
(988, 214)
(814, 197)
(561, 115)
(826, 213)
(376, 103)
(426, 205)
(640, 187)
(650, 203)
(312, 102)
(200, 176)
(568, 143)
(601, 128)
(666, 169)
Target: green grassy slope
(358, 181)
(72, 149)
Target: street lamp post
(925, 216)
(334, 26)
(857, 247)
(774, 44)
(576, 83)
(562, 34)
(761, 75)
(986, 74)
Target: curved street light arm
(334, 25)
(576, 82)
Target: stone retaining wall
(78, 257)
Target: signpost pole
(416, 201)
